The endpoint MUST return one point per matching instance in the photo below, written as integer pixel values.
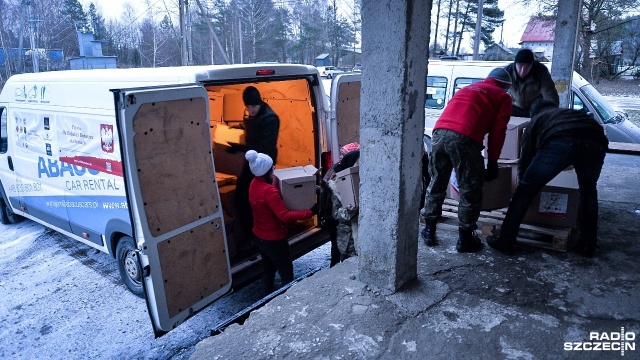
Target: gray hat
(502, 75)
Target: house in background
(538, 36)
(323, 60)
(91, 54)
(497, 52)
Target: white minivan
(444, 78)
(133, 162)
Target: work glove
(314, 209)
(492, 171)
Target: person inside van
(477, 109)
(552, 141)
(271, 215)
(261, 127)
(531, 82)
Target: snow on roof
(539, 29)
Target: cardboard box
(513, 165)
(494, 194)
(348, 184)
(554, 206)
(225, 179)
(557, 202)
(223, 134)
(298, 186)
(511, 147)
(225, 162)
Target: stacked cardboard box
(348, 183)
(298, 186)
(494, 195)
(557, 202)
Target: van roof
(164, 75)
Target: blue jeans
(587, 157)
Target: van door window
(462, 82)
(436, 90)
(3, 130)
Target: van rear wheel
(128, 265)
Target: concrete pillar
(564, 48)
(395, 41)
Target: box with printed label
(298, 186)
(348, 184)
(511, 147)
(495, 194)
(554, 206)
(557, 202)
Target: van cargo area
(291, 100)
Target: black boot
(468, 241)
(429, 235)
(500, 244)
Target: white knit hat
(259, 163)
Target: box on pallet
(557, 202)
(298, 186)
(348, 183)
(511, 147)
(494, 194)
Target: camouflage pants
(454, 151)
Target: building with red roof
(538, 36)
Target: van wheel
(7, 217)
(128, 265)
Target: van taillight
(325, 162)
(265, 72)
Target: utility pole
(476, 43)
(34, 52)
(240, 34)
(183, 38)
(24, 4)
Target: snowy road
(60, 299)
(628, 103)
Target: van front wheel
(128, 265)
(6, 215)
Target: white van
(444, 78)
(123, 160)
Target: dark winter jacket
(479, 109)
(553, 123)
(537, 84)
(261, 132)
(270, 214)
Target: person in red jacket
(270, 218)
(475, 110)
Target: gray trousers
(452, 150)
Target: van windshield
(607, 112)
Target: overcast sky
(516, 15)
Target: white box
(298, 186)
(348, 184)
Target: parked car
(329, 71)
(357, 68)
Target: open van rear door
(345, 111)
(173, 200)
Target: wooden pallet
(544, 237)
